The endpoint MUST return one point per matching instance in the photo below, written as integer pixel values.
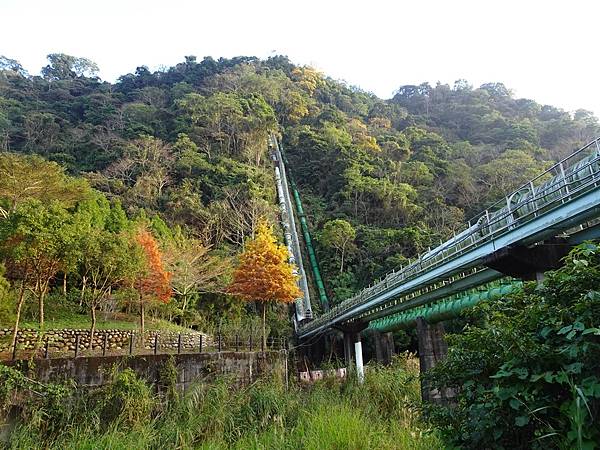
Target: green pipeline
(309, 247)
(442, 310)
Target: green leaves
(234, 124)
(521, 421)
(548, 377)
(566, 329)
(508, 371)
(533, 364)
(571, 330)
(593, 330)
(30, 177)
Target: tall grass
(382, 413)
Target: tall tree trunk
(18, 318)
(93, 328)
(142, 322)
(41, 298)
(264, 324)
(83, 286)
(342, 264)
(184, 303)
(65, 284)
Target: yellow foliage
(308, 78)
(264, 273)
(361, 137)
(297, 106)
(380, 122)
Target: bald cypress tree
(264, 274)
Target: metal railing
(569, 178)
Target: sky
(543, 50)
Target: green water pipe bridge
(519, 237)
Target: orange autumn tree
(264, 274)
(154, 283)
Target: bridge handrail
(572, 175)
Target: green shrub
(528, 375)
(7, 301)
(126, 399)
(43, 409)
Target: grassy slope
(65, 313)
(381, 414)
(78, 321)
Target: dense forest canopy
(185, 147)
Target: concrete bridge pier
(360, 371)
(384, 347)
(353, 347)
(432, 349)
(349, 339)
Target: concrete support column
(348, 338)
(360, 371)
(539, 278)
(384, 347)
(352, 339)
(432, 349)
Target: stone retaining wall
(65, 340)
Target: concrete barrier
(243, 367)
(314, 375)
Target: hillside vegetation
(183, 152)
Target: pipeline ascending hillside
(324, 301)
(303, 306)
(311, 251)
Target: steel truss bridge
(562, 202)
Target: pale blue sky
(545, 50)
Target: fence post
(250, 349)
(156, 343)
(179, 344)
(104, 343)
(131, 343)
(46, 349)
(201, 343)
(76, 345)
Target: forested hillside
(184, 149)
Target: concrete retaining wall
(244, 367)
(314, 375)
